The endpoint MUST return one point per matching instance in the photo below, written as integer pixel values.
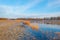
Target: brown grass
(9, 30)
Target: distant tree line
(52, 18)
(3, 18)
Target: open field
(9, 29)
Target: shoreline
(52, 22)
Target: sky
(29, 8)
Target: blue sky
(29, 8)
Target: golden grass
(7, 31)
(10, 31)
(34, 27)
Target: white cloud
(53, 4)
(18, 11)
(8, 11)
(42, 15)
(14, 12)
(31, 4)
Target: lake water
(45, 32)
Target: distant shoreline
(52, 22)
(39, 21)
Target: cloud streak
(31, 4)
(53, 3)
(18, 11)
(14, 12)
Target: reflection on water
(49, 27)
(45, 32)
